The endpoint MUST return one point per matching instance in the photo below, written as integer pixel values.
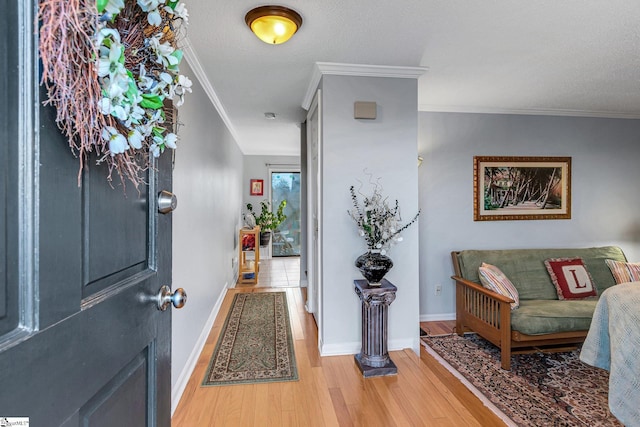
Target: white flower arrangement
(379, 223)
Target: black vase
(265, 236)
(373, 266)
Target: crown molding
(364, 70)
(316, 75)
(196, 66)
(360, 70)
(527, 111)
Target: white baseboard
(439, 316)
(342, 349)
(183, 378)
(401, 344)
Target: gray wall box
(364, 110)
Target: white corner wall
(207, 180)
(387, 147)
(605, 197)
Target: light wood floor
(331, 390)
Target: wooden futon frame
(489, 315)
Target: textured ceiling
(542, 57)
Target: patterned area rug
(255, 344)
(552, 389)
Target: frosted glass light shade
(273, 24)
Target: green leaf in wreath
(132, 90)
(178, 55)
(121, 59)
(172, 4)
(157, 131)
(151, 101)
(101, 4)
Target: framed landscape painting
(521, 188)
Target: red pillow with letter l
(571, 278)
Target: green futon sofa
(542, 320)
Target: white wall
(605, 198)
(387, 147)
(208, 184)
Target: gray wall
(605, 198)
(387, 147)
(208, 184)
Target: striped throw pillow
(494, 279)
(624, 272)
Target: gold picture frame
(521, 188)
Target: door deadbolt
(167, 202)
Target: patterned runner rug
(255, 344)
(542, 389)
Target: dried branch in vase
(379, 223)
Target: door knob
(166, 297)
(167, 202)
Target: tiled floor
(279, 272)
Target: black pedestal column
(373, 360)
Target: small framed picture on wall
(256, 187)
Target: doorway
(285, 185)
(314, 209)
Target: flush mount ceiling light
(273, 24)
